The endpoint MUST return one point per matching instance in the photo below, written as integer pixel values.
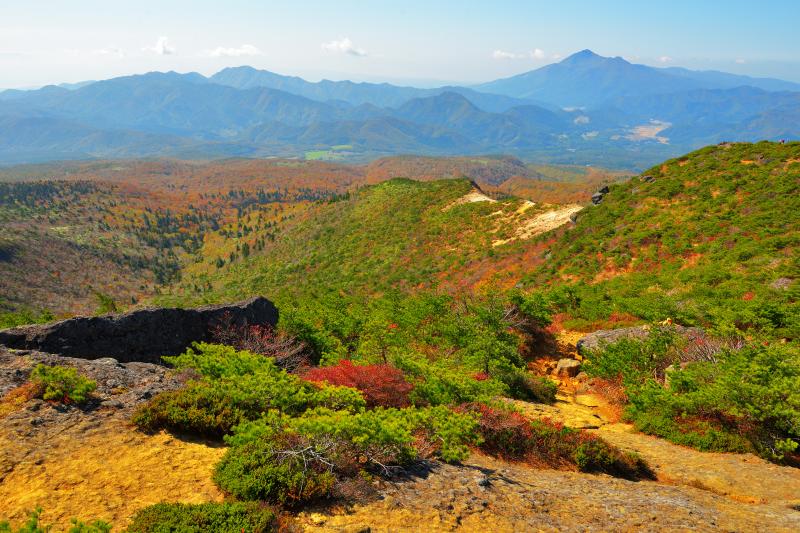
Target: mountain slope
(397, 235)
(376, 94)
(587, 79)
(710, 238)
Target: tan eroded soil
(106, 472)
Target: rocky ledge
(143, 335)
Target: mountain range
(586, 109)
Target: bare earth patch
(541, 223)
(471, 197)
(649, 131)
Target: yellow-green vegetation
(199, 518)
(332, 154)
(33, 525)
(62, 384)
(709, 239)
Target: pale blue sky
(401, 41)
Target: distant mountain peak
(588, 58)
(584, 56)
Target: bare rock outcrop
(143, 335)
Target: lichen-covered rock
(567, 368)
(604, 337)
(143, 335)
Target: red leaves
(505, 433)
(381, 385)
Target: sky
(419, 42)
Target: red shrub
(480, 376)
(505, 433)
(381, 385)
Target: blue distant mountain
(585, 109)
(586, 79)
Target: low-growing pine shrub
(213, 408)
(200, 518)
(287, 469)
(290, 460)
(239, 386)
(62, 384)
(443, 384)
(723, 397)
(382, 385)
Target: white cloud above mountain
(161, 48)
(344, 46)
(246, 50)
(536, 53)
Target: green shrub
(32, 525)
(523, 386)
(289, 460)
(748, 400)
(216, 361)
(286, 469)
(443, 384)
(63, 384)
(238, 386)
(199, 518)
(23, 317)
(213, 408)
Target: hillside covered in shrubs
(416, 318)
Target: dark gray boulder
(143, 335)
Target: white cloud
(536, 53)
(242, 51)
(665, 59)
(108, 52)
(501, 54)
(740, 61)
(344, 46)
(161, 48)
